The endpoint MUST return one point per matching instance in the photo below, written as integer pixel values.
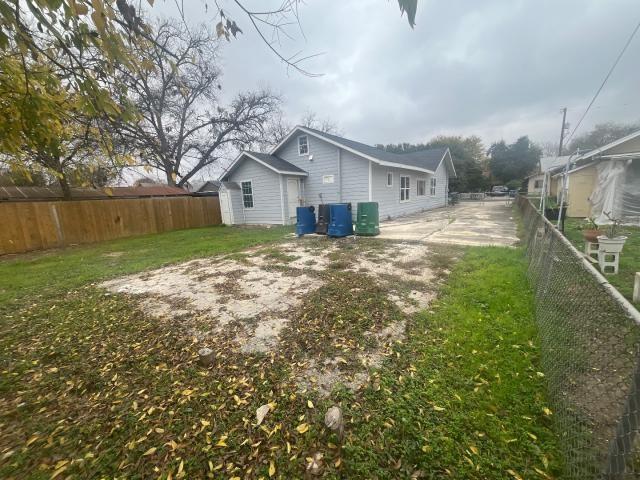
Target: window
(328, 179)
(303, 145)
(433, 187)
(247, 194)
(389, 179)
(421, 188)
(537, 184)
(404, 189)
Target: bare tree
(181, 126)
(327, 125)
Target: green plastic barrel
(367, 219)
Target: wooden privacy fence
(27, 226)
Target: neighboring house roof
(206, 186)
(601, 151)
(146, 191)
(272, 162)
(424, 160)
(548, 163)
(230, 185)
(47, 193)
(55, 193)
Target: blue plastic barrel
(341, 222)
(306, 220)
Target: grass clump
(464, 397)
(93, 388)
(629, 258)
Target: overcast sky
(494, 68)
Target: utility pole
(564, 128)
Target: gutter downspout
(370, 181)
(339, 175)
(281, 199)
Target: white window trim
(389, 184)
(307, 152)
(433, 186)
(425, 187)
(408, 189)
(253, 195)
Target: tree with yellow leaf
(47, 128)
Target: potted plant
(590, 231)
(611, 242)
(552, 209)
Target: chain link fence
(590, 339)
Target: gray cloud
(494, 68)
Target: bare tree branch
(182, 126)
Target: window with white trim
(303, 145)
(421, 188)
(404, 188)
(247, 194)
(389, 179)
(433, 186)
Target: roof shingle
(276, 162)
(426, 159)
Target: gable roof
(206, 186)
(609, 146)
(548, 163)
(272, 162)
(424, 160)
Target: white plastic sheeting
(617, 192)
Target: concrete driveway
(469, 223)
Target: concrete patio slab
(484, 223)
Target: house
(535, 182)
(606, 179)
(311, 167)
(206, 188)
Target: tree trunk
(64, 186)
(170, 179)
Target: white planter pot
(611, 245)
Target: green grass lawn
(46, 274)
(91, 387)
(629, 259)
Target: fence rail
(27, 226)
(590, 343)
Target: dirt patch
(263, 338)
(412, 302)
(404, 260)
(220, 291)
(325, 375)
(337, 306)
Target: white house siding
(355, 180)
(325, 162)
(266, 193)
(235, 197)
(388, 198)
(350, 172)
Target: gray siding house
(310, 167)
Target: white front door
(225, 207)
(293, 196)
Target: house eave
(348, 149)
(231, 167)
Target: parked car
(499, 191)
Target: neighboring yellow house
(581, 182)
(535, 182)
(606, 179)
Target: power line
(613, 67)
